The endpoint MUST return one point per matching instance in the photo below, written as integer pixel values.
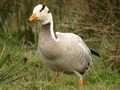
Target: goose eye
(49, 11)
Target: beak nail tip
(28, 20)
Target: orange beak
(32, 17)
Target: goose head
(42, 14)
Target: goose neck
(50, 28)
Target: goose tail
(94, 52)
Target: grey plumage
(61, 52)
(65, 55)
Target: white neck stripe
(52, 31)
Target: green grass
(97, 22)
(98, 77)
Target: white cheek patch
(82, 47)
(37, 15)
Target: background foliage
(96, 21)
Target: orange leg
(80, 78)
(80, 82)
(56, 77)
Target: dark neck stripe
(43, 6)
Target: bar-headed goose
(61, 52)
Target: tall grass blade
(8, 54)
(21, 77)
(11, 69)
(15, 73)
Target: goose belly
(67, 64)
